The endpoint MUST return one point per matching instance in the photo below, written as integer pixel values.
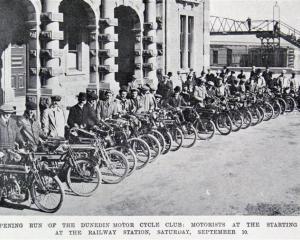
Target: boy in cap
(75, 118)
(53, 119)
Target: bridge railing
(223, 25)
(289, 31)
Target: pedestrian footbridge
(269, 31)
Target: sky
(257, 9)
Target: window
(190, 40)
(74, 39)
(215, 56)
(229, 57)
(182, 40)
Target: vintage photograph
(149, 108)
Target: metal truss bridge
(269, 31)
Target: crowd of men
(132, 99)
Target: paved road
(254, 171)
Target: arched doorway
(128, 45)
(14, 50)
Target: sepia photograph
(150, 108)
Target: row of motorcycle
(116, 148)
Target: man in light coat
(53, 119)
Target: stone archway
(80, 44)
(18, 28)
(129, 45)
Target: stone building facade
(66, 46)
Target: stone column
(107, 38)
(33, 84)
(50, 36)
(94, 60)
(150, 51)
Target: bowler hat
(91, 96)
(177, 89)
(56, 98)
(81, 96)
(7, 108)
(123, 89)
(157, 96)
(31, 106)
(108, 91)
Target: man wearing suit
(53, 119)
(75, 118)
(9, 131)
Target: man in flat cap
(136, 101)
(107, 107)
(200, 92)
(176, 100)
(89, 111)
(53, 119)
(75, 118)
(30, 127)
(9, 131)
(165, 87)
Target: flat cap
(91, 96)
(56, 98)
(7, 108)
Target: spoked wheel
(223, 124)
(255, 115)
(47, 192)
(141, 150)
(205, 128)
(262, 114)
(160, 138)
(153, 143)
(177, 138)
(247, 118)
(237, 120)
(189, 135)
(269, 111)
(290, 104)
(168, 140)
(115, 168)
(282, 103)
(130, 156)
(277, 109)
(85, 178)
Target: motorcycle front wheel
(47, 192)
